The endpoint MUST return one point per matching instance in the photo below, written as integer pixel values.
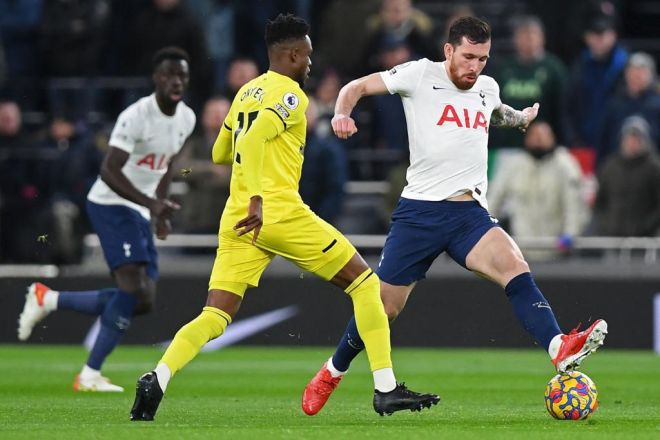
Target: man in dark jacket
(595, 76)
(628, 200)
(640, 96)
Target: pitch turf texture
(254, 393)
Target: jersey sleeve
(404, 78)
(192, 119)
(251, 145)
(221, 152)
(496, 94)
(126, 131)
(288, 105)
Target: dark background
(450, 312)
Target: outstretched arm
(506, 116)
(342, 123)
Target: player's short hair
(285, 27)
(169, 53)
(472, 28)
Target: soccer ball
(571, 396)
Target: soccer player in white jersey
(449, 110)
(129, 195)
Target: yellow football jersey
(271, 107)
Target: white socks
(334, 372)
(163, 374)
(384, 380)
(89, 373)
(553, 348)
(50, 300)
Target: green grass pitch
(254, 393)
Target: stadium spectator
(398, 20)
(595, 76)
(208, 183)
(24, 189)
(116, 41)
(528, 76)
(19, 21)
(169, 23)
(70, 172)
(78, 162)
(566, 20)
(250, 16)
(219, 21)
(353, 34)
(457, 11)
(388, 132)
(11, 134)
(639, 96)
(71, 34)
(540, 191)
(326, 93)
(325, 170)
(628, 199)
(241, 70)
(3, 66)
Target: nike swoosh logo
(438, 88)
(236, 332)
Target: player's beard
(302, 78)
(458, 81)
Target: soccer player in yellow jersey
(264, 138)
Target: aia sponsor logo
(154, 162)
(463, 119)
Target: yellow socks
(371, 319)
(190, 339)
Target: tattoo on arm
(505, 116)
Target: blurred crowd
(588, 166)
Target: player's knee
(144, 307)
(145, 300)
(392, 310)
(145, 303)
(515, 264)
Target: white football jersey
(447, 130)
(151, 138)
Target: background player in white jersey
(130, 193)
(449, 109)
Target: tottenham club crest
(291, 101)
(482, 95)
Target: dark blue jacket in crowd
(621, 106)
(324, 174)
(19, 21)
(591, 85)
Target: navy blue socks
(349, 347)
(115, 319)
(529, 306)
(91, 302)
(532, 309)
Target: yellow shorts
(302, 237)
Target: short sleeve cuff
(387, 78)
(122, 144)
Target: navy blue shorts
(421, 230)
(126, 237)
